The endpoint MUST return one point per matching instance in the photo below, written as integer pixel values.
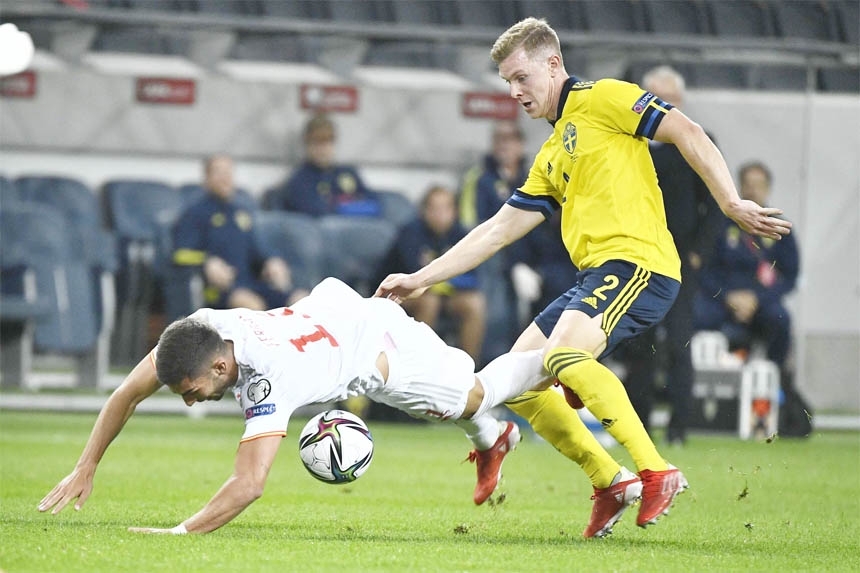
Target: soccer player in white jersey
(328, 346)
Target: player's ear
(554, 63)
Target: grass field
(787, 505)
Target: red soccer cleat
(570, 396)
(610, 503)
(658, 492)
(489, 462)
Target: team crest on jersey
(568, 138)
(259, 390)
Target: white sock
(508, 376)
(483, 431)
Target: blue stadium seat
(808, 19)
(404, 54)
(424, 12)
(364, 11)
(8, 191)
(740, 18)
(396, 207)
(780, 78)
(674, 17)
(296, 238)
(848, 18)
(613, 16)
(140, 213)
(228, 7)
(269, 48)
(302, 9)
(142, 40)
(70, 320)
(493, 13)
(70, 196)
(560, 14)
(839, 79)
(354, 249)
(718, 76)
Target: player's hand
(277, 274)
(758, 220)
(77, 485)
(743, 304)
(400, 287)
(150, 530)
(218, 273)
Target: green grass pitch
(753, 506)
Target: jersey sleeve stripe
(280, 434)
(543, 203)
(651, 117)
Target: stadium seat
(364, 11)
(404, 54)
(142, 40)
(139, 211)
(269, 48)
(673, 17)
(493, 13)
(8, 191)
(561, 14)
(424, 12)
(297, 239)
(848, 19)
(839, 79)
(72, 319)
(303, 10)
(614, 16)
(396, 207)
(718, 76)
(227, 7)
(70, 196)
(779, 78)
(740, 18)
(808, 19)
(354, 249)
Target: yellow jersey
(596, 166)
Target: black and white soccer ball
(336, 446)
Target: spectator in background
(487, 186)
(421, 241)
(692, 216)
(319, 186)
(745, 279)
(216, 234)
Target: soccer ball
(336, 446)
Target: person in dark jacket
(743, 284)
(692, 217)
(421, 241)
(216, 234)
(319, 186)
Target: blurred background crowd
(162, 155)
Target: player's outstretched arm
(704, 157)
(141, 383)
(482, 242)
(253, 461)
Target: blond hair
(532, 34)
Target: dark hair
(751, 165)
(185, 350)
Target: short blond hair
(532, 34)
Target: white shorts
(426, 377)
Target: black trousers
(645, 354)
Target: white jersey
(324, 348)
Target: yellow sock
(560, 425)
(603, 394)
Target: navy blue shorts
(631, 299)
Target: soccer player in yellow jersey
(596, 168)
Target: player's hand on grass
(77, 485)
(758, 220)
(399, 287)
